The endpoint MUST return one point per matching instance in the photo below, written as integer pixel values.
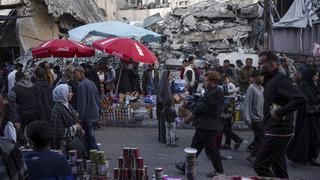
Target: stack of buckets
(190, 163)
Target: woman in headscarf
(64, 120)
(164, 93)
(305, 144)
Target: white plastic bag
(10, 131)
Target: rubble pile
(207, 29)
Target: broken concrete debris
(207, 29)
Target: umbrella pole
(119, 80)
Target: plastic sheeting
(294, 40)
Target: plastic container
(179, 86)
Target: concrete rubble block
(186, 30)
(218, 25)
(176, 47)
(207, 13)
(231, 32)
(177, 54)
(204, 26)
(242, 21)
(173, 62)
(178, 40)
(154, 45)
(174, 25)
(167, 32)
(190, 22)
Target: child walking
(170, 115)
(253, 112)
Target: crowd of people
(56, 105)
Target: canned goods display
(73, 167)
(77, 176)
(101, 157)
(141, 173)
(88, 162)
(133, 173)
(80, 166)
(86, 177)
(93, 155)
(102, 177)
(73, 156)
(102, 169)
(146, 169)
(159, 172)
(93, 168)
(94, 177)
(139, 161)
(125, 173)
(116, 173)
(190, 163)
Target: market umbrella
(62, 48)
(127, 49)
(114, 29)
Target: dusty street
(113, 139)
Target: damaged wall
(51, 19)
(207, 29)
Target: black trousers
(206, 139)
(229, 134)
(272, 154)
(258, 130)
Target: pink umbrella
(62, 48)
(126, 48)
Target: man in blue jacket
(282, 98)
(88, 107)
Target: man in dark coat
(92, 75)
(282, 98)
(42, 93)
(135, 77)
(21, 94)
(208, 123)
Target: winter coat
(146, 77)
(109, 79)
(62, 119)
(135, 79)
(22, 94)
(208, 110)
(42, 92)
(171, 116)
(278, 90)
(243, 78)
(93, 76)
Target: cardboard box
(182, 113)
(178, 99)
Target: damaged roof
(86, 11)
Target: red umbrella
(126, 48)
(62, 48)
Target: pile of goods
(130, 166)
(95, 168)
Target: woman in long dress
(164, 93)
(305, 144)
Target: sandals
(213, 174)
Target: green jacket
(243, 78)
(145, 79)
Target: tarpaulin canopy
(114, 29)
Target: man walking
(281, 99)
(42, 92)
(189, 76)
(88, 107)
(207, 121)
(244, 77)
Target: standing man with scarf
(150, 79)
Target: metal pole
(119, 80)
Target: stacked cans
(190, 163)
(97, 167)
(131, 165)
(108, 113)
(77, 165)
(123, 111)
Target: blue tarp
(114, 29)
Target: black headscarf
(164, 90)
(307, 77)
